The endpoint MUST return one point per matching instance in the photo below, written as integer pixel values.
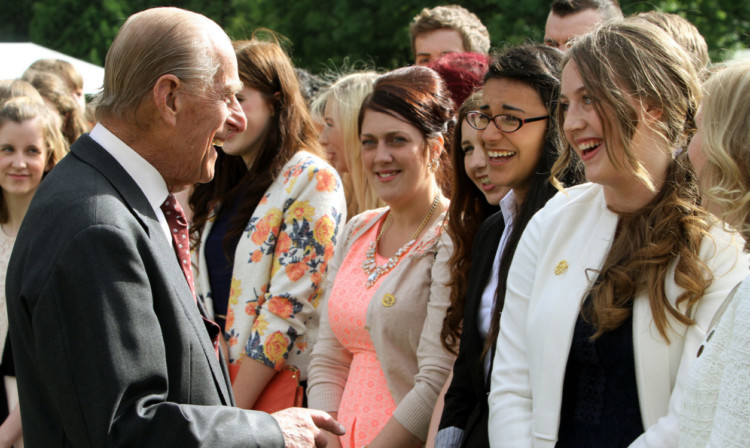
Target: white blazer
(547, 283)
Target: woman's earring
(434, 164)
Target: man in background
(570, 18)
(446, 29)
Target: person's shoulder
(725, 242)
(367, 217)
(576, 195)
(304, 168)
(491, 223)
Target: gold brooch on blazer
(388, 300)
(561, 267)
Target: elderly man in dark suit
(111, 347)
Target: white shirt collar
(143, 173)
(509, 207)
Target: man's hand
(302, 428)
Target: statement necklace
(371, 267)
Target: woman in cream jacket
(378, 364)
(614, 282)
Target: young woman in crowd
(11, 88)
(68, 73)
(521, 142)
(56, 94)
(614, 282)
(716, 408)
(265, 227)
(474, 198)
(30, 145)
(378, 365)
(340, 105)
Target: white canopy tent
(18, 56)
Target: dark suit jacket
(109, 345)
(466, 399)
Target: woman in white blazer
(614, 282)
(716, 408)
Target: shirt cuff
(450, 437)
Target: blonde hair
(685, 34)
(20, 109)
(61, 68)
(11, 88)
(53, 88)
(345, 97)
(726, 144)
(634, 59)
(151, 44)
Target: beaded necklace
(371, 267)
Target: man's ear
(166, 92)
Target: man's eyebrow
(233, 88)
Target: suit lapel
(565, 290)
(93, 154)
(483, 256)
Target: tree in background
(327, 33)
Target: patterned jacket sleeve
(306, 224)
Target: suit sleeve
(104, 351)
(510, 403)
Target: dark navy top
(600, 407)
(219, 265)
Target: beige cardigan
(406, 335)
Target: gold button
(388, 300)
(561, 267)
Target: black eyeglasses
(503, 122)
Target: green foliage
(723, 23)
(328, 34)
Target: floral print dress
(279, 264)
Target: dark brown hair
(608, 9)
(418, 95)
(263, 66)
(468, 209)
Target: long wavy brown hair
(263, 65)
(469, 208)
(635, 59)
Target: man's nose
(236, 119)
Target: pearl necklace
(371, 267)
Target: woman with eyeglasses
(521, 144)
(614, 282)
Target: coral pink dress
(366, 404)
